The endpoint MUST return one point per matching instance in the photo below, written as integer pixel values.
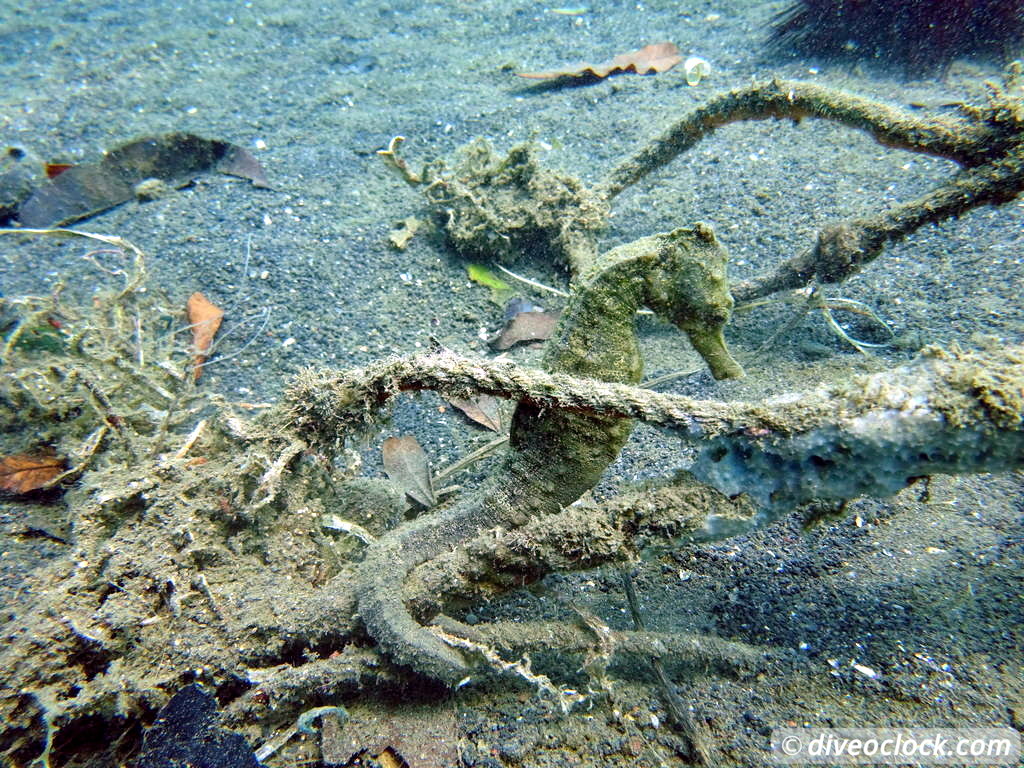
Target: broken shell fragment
(696, 69)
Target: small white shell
(864, 670)
(696, 69)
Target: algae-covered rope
(328, 404)
(987, 141)
(557, 454)
(951, 411)
(962, 139)
(842, 249)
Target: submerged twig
(695, 734)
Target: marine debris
(508, 208)
(505, 208)
(985, 141)
(208, 545)
(112, 391)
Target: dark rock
(187, 733)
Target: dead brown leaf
(407, 467)
(482, 409)
(526, 326)
(654, 58)
(21, 473)
(205, 317)
(86, 189)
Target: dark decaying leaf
(526, 326)
(90, 188)
(76, 194)
(482, 409)
(654, 58)
(407, 467)
(21, 473)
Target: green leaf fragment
(501, 291)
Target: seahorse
(557, 455)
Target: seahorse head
(688, 286)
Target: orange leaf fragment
(204, 316)
(21, 473)
(653, 58)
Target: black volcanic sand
(925, 590)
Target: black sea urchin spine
(917, 36)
